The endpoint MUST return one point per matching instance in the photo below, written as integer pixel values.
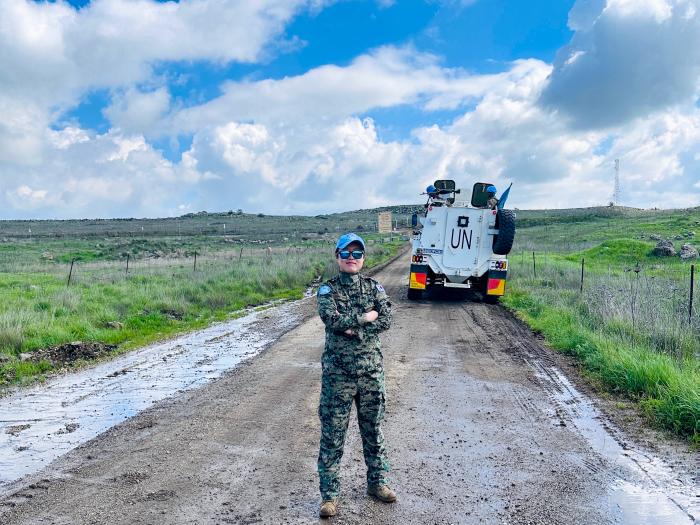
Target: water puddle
(647, 491)
(40, 423)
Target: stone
(47, 256)
(688, 252)
(656, 237)
(664, 248)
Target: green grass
(667, 388)
(158, 298)
(629, 327)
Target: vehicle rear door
(461, 239)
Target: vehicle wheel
(414, 295)
(505, 224)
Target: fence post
(582, 264)
(127, 265)
(692, 287)
(240, 255)
(534, 266)
(194, 269)
(70, 273)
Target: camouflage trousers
(338, 392)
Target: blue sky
(483, 37)
(289, 106)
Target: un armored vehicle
(462, 241)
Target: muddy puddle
(645, 490)
(40, 423)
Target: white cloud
(628, 58)
(137, 111)
(385, 77)
(25, 198)
(55, 50)
(304, 144)
(51, 54)
(67, 136)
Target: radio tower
(616, 191)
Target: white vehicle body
(455, 248)
(457, 242)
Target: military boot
(382, 493)
(328, 508)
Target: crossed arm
(376, 320)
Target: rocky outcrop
(664, 248)
(688, 252)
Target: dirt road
(482, 427)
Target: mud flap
(496, 283)
(419, 277)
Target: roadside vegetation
(109, 310)
(630, 326)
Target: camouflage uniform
(492, 203)
(352, 371)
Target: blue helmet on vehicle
(431, 189)
(491, 189)
(348, 238)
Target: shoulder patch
(324, 290)
(380, 288)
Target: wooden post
(70, 273)
(194, 269)
(240, 255)
(582, 265)
(127, 265)
(692, 289)
(534, 266)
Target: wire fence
(198, 261)
(642, 303)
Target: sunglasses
(356, 254)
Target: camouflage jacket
(342, 302)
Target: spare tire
(505, 224)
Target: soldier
(355, 309)
(492, 201)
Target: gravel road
(483, 425)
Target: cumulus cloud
(52, 54)
(385, 77)
(627, 59)
(53, 49)
(325, 164)
(137, 111)
(305, 143)
(83, 174)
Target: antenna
(616, 192)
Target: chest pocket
(342, 302)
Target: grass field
(163, 293)
(630, 325)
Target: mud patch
(14, 430)
(160, 495)
(69, 428)
(131, 478)
(69, 353)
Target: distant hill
(237, 223)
